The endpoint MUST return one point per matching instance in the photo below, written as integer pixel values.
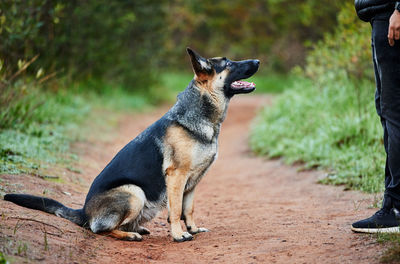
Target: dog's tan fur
(185, 167)
(211, 84)
(177, 173)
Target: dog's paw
(185, 237)
(132, 236)
(198, 230)
(143, 231)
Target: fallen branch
(44, 177)
(38, 221)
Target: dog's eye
(229, 64)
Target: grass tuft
(3, 259)
(327, 127)
(392, 254)
(37, 126)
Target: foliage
(126, 42)
(36, 129)
(3, 259)
(275, 31)
(53, 54)
(108, 40)
(273, 83)
(75, 47)
(330, 120)
(37, 126)
(31, 146)
(346, 52)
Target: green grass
(43, 138)
(113, 97)
(172, 83)
(3, 259)
(30, 145)
(273, 83)
(392, 253)
(334, 127)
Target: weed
(22, 249)
(73, 169)
(392, 254)
(3, 259)
(17, 226)
(46, 243)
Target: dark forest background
(127, 42)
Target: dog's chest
(203, 155)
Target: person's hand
(394, 28)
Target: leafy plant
(111, 40)
(329, 121)
(3, 259)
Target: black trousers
(387, 99)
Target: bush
(275, 31)
(108, 40)
(34, 126)
(37, 125)
(329, 121)
(346, 52)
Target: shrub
(329, 121)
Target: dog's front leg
(175, 186)
(188, 209)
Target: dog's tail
(49, 206)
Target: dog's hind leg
(130, 236)
(143, 230)
(187, 213)
(114, 209)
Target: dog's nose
(257, 62)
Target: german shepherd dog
(162, 165)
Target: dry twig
(38, 221)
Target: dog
(161, 166)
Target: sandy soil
(257, 210)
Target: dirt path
(258, 211)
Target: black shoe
(386, 220)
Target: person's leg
(387, 60)
(378, 95)
(387, 93)
(378, 110)
(392, 183)
(378, 92)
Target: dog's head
(223, 75)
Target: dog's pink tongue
(242, 84)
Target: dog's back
(138, 163)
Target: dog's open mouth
(243, 85)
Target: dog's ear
(201, 66)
